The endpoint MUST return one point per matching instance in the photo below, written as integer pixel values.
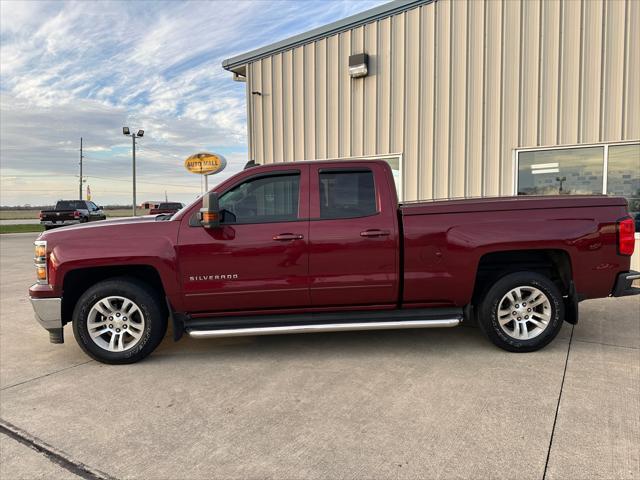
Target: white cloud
(72, 69)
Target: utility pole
(127, 132)
(80, 188)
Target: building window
(574, 171)
(623, 176)
(612, 169)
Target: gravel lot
(406, 404)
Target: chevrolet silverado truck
(71, 212)
(325, 246)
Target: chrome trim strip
(326, 327)
(633, 276)
(48, 312)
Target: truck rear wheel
(522, 312)
(119, 321)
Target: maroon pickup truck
(325, 246)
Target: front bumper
(624, 284)
(48, 313)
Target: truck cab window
(347, 194)
(263, 199)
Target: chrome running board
(323, 327)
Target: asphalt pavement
(392, 404)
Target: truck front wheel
(119, 321)
(522, 312)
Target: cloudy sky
(85, 69)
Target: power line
(140, 181)
(102, 178)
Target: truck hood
(98, 228)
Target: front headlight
(40, 260)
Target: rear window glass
(171, 205)
(347, 194)
(71, 205)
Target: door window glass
(347, 194)
(571, 171)
(264, 199)
(623, 176)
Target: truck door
(353, 236)
(258, 258)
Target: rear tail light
(41, 215)
(76, 214)
(626, 236)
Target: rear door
(258, 258)
(353, 237)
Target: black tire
(149, 304)
(488, 312)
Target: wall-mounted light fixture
(358, 65)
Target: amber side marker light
(41, 274)
(626, 236)
(209, 217)
(41, 252)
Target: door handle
(375, 233)
(287, 237)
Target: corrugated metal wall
(455, 86)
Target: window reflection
(572, 171)
(623, 176)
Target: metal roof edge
(338, 26)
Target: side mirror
(210, 211)
(100, 207)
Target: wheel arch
(553, 263)
(79, 280)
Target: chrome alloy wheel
(115, 323)
(524, 313)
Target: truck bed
(444, 253)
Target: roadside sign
(205, 163)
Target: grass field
(26, 214)
(20, 228)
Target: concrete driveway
(405, 404)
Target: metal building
(463, 97)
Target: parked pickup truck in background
(168, 207)
(325, 246)
(70, 212)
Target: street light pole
(80, 187)
(133, 138)
(128, 133)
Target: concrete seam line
(45, 375)
(555, 418)
(51, 453)
(608, 344)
